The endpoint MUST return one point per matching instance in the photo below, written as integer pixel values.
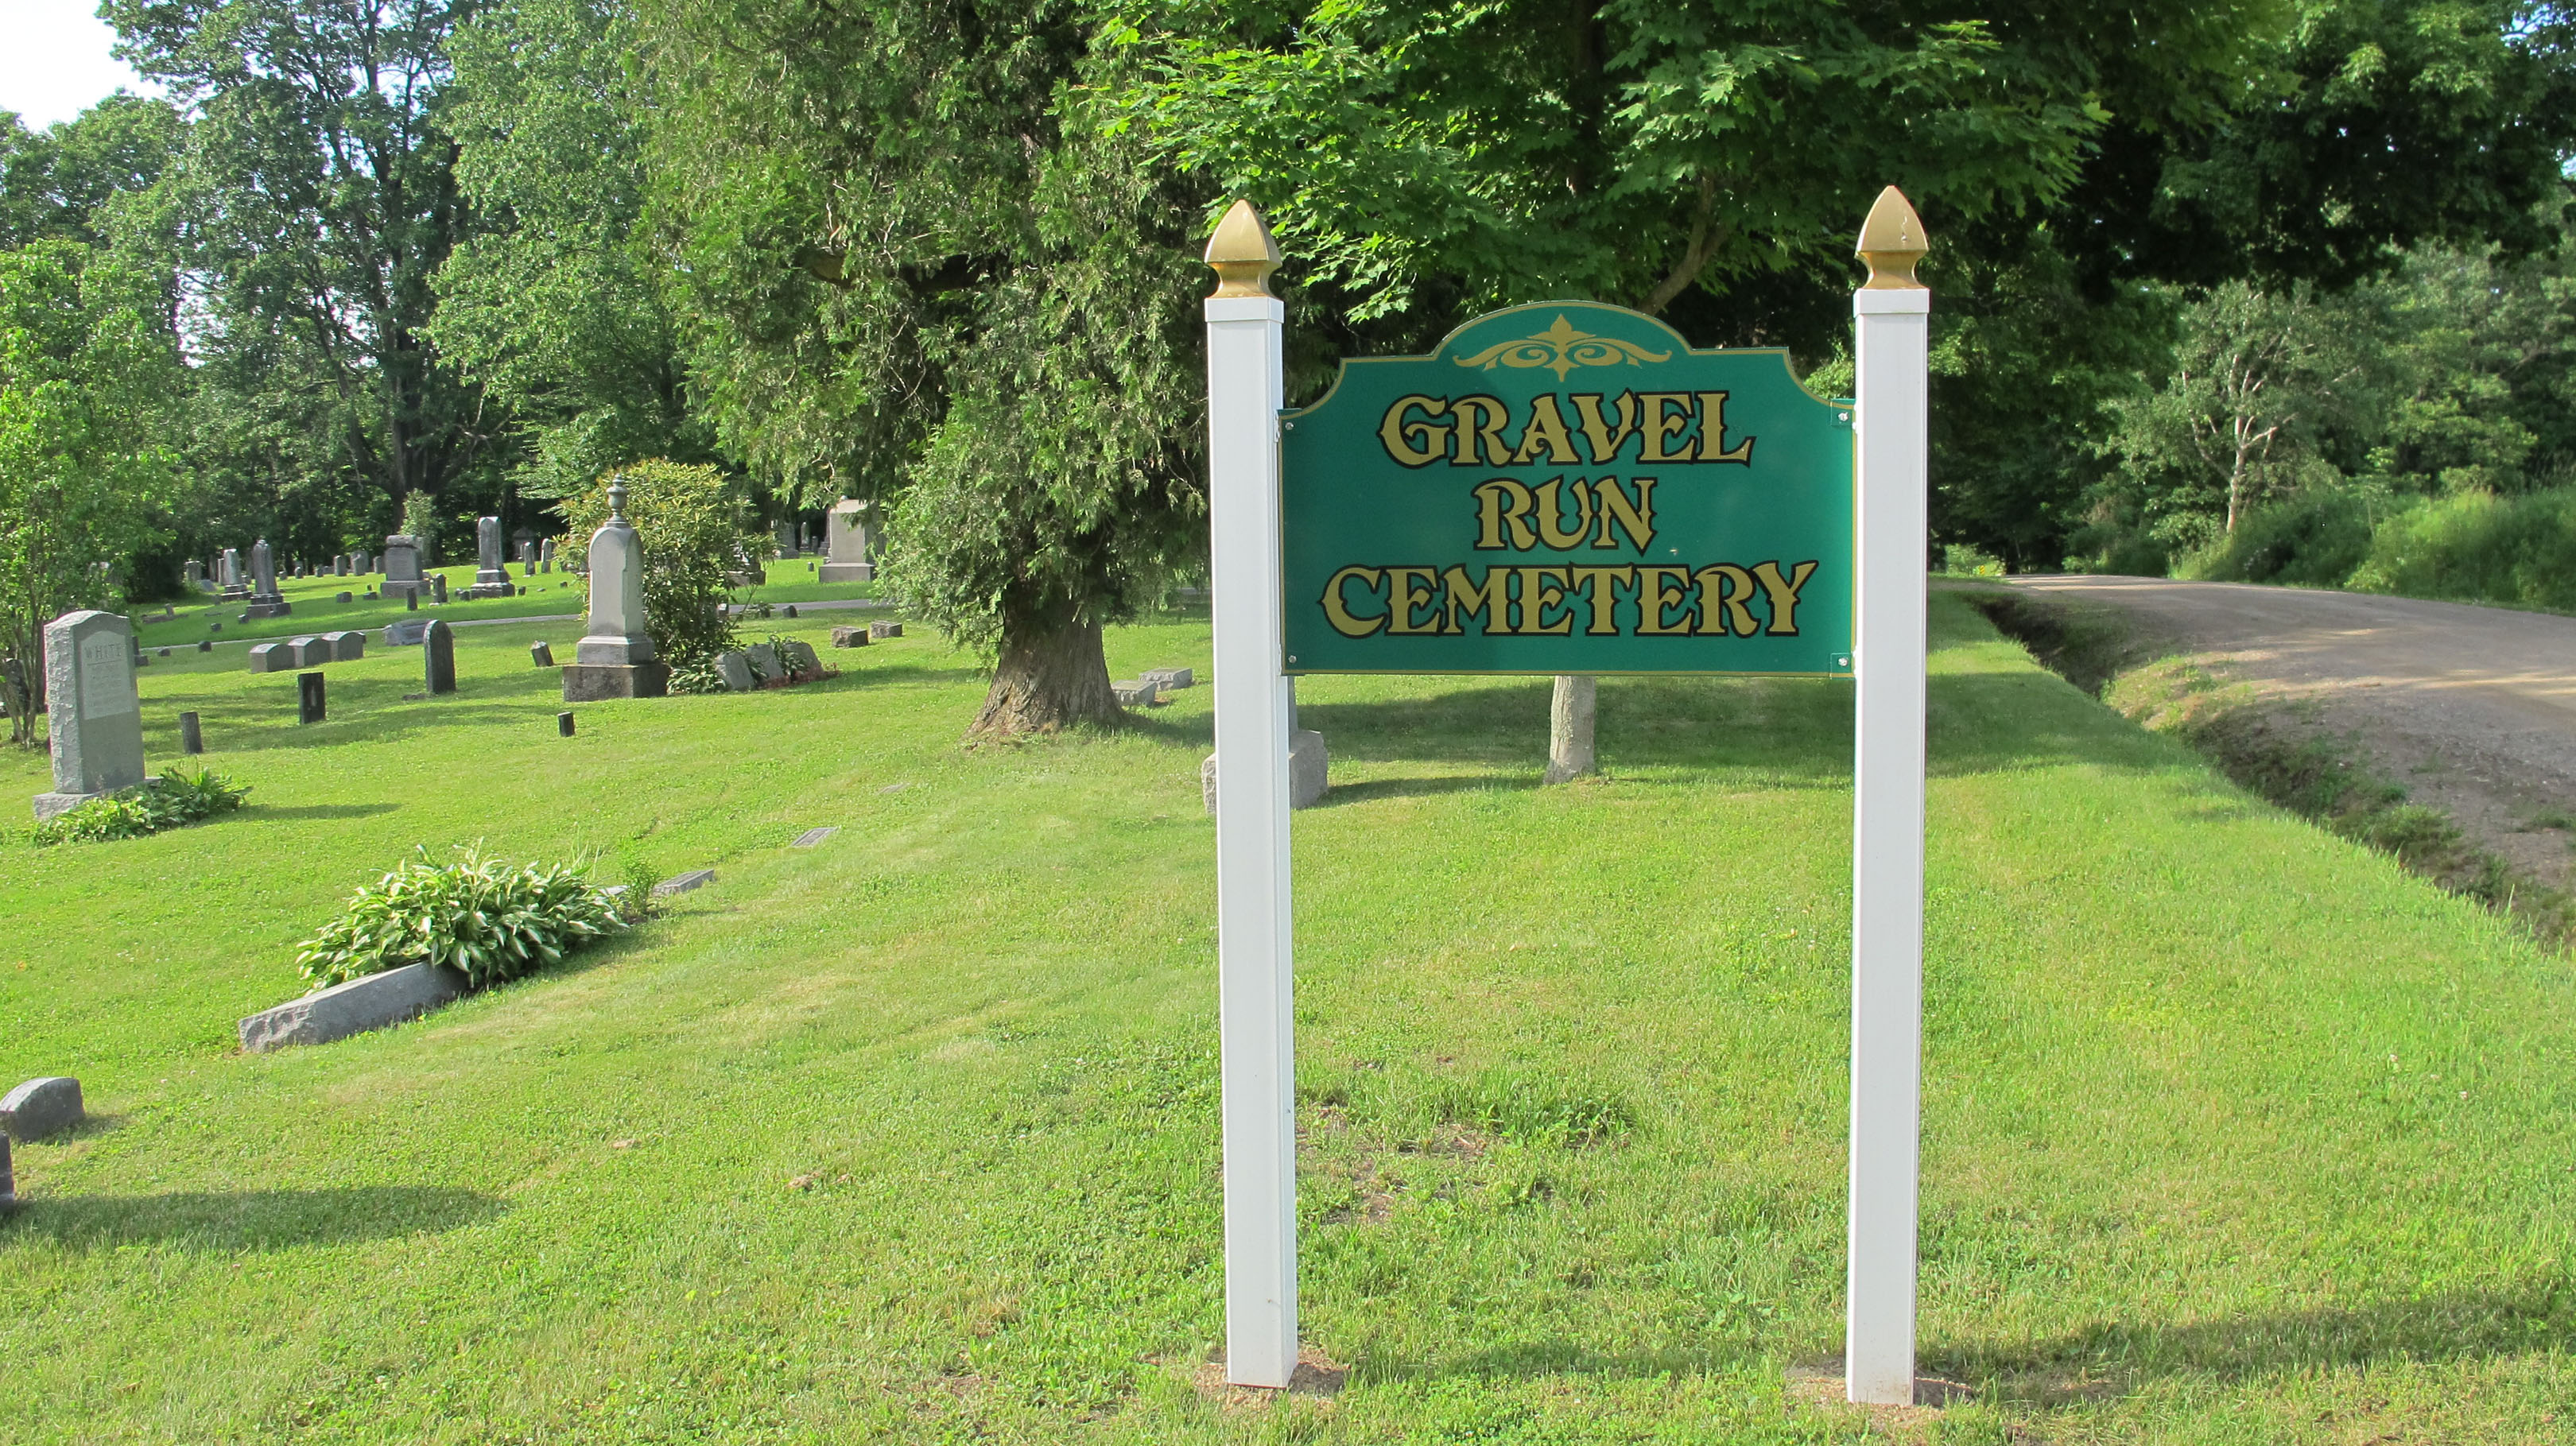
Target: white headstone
(846, 540)
(616, 634)
(95, 714)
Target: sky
(54, 62)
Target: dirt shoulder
(2472, 710)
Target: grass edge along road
(2234, 1132)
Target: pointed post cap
(1891, 241)
(1243, 252)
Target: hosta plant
(490, 921)
(173, 801)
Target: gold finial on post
(1243, 252)
(1891, 241)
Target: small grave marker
(192, 740)
(683, 883)
(813, 836)
(540, 654)
(308, 698)
(563, 725)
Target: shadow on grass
(2538, 1316)
(1372, 789)
(249, 1220)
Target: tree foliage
(85, 468)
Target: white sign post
(1255, 715)
(1255, 979)
(1891, 312)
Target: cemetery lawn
(2234, 1132)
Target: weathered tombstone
(342, 597)
(1167, 677)
(95, 714)
(308, 698)
(205, 645)
(438, 587)
(192, 736)
(802, 660)
(340, 566)
(563, 725)
(438, 657)
(1135, 693)
(310, 652)
(272, 657)
(1309, 771)
(346, 647)
(232, 575)
(488, 571)
(684, 883)
(785, 532)
(764, 661)
(812, 836)
(411, 602)
(546, 556)
(849, 637)
(362, 562)
(402, 567)
(541, 654)
(265, 601)
(614, 658)
(788, 611)
(196, 573)
(406, 633)
(845, 537)
(736, 668)
(882, 631)
(41, 1107)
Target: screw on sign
(1567, 488)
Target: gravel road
(2472, 710)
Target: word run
(1718, 600)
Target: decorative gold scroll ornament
(1561, 349)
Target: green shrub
(635, 901)
(697, 675)
(487, 920)
(2478, 547)
(174, 801)
(2315, 539)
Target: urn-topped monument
(614, 658)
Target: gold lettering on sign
(1503, 503)
(1411, 441)
(1537, 597)
(1404, 596)
(1597, 434)
(1492, 599)
(1480, 436)
(1724, 612)
(1337, 607)
(1784, 595)
(1593, 585)
(1659, 590)
(1546, 429)
(1712, 432)
(1662, 422)
(1551, 509)
(1638, 521)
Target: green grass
(2234, 1132)
(316, 609)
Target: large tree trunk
(1046, 681)
(1569, 728)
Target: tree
(917, 265)
(85, 378)
(2257, 375)
(319, 197)
(554, 305)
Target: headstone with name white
(845, 531)
(95, 714)
(614, 658)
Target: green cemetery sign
(1568, 488)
